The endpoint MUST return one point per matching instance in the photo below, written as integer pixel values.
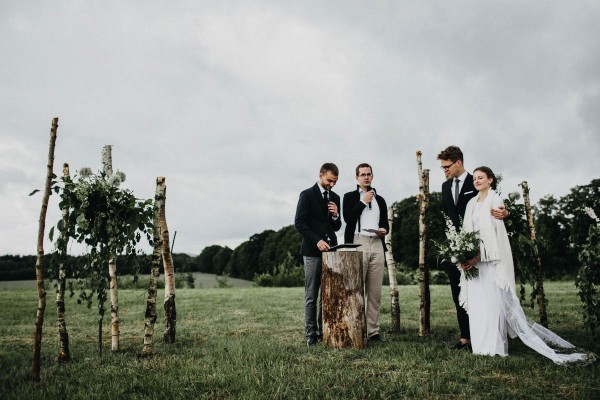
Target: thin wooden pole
(63, 335)
(170, 310)
(112, 262)
(154, 274)
(391, 264)
(539, 279)
(41, 309)
(424, 293)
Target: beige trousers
(373, 268)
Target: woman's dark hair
(489, 173)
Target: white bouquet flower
(460, 247)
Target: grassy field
(248, 343)
(201, 281)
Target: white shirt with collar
(461, 182)
(369, 218)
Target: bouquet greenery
(460, 247)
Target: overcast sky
(238, 104)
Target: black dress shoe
(311, 341)
(462, 346)
(376, 338)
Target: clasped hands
(467, 265)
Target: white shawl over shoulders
(495, 247)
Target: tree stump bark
(344, 321)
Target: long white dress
(487, 320)
(490, 300)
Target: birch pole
(391, 264)
(112, 262)
(424, 295)
(41, 308)
(63, 334)
(170, 311)
(154, 274)
(539, 280)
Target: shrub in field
(588, 277)
(289, 273)
(263, 280)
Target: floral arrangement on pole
(460, 247)
(109, 221)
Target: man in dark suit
(367, 224)
(317, 219)
(456, 193)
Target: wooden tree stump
(344, 321)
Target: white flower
(117, 178)
(121, 175)
(85, 172)
(114, 181)
(589, 211)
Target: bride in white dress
(490, 300)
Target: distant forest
(561, 223)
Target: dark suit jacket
(314, 222)
(456, 212)
(353, 208)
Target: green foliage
(262, 255)
(213, 259)
(244, 261)
(14, 268)
(109, 221)
(264, 280)
(405, 231)
(521, 245)
(563, 228)
(559, 258)
(588, 278)
(290, 273)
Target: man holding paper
(317, 219)
(367, 224)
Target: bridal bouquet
(459, 247)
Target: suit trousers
(313, 317)
(373, 269)
(461, 313)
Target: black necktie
(456, 190)
(326, 200)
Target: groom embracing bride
(457, 190)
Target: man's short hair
(330, 167)
(452, 153)
(363, 165)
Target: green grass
(249, 343)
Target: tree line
(272, 257)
